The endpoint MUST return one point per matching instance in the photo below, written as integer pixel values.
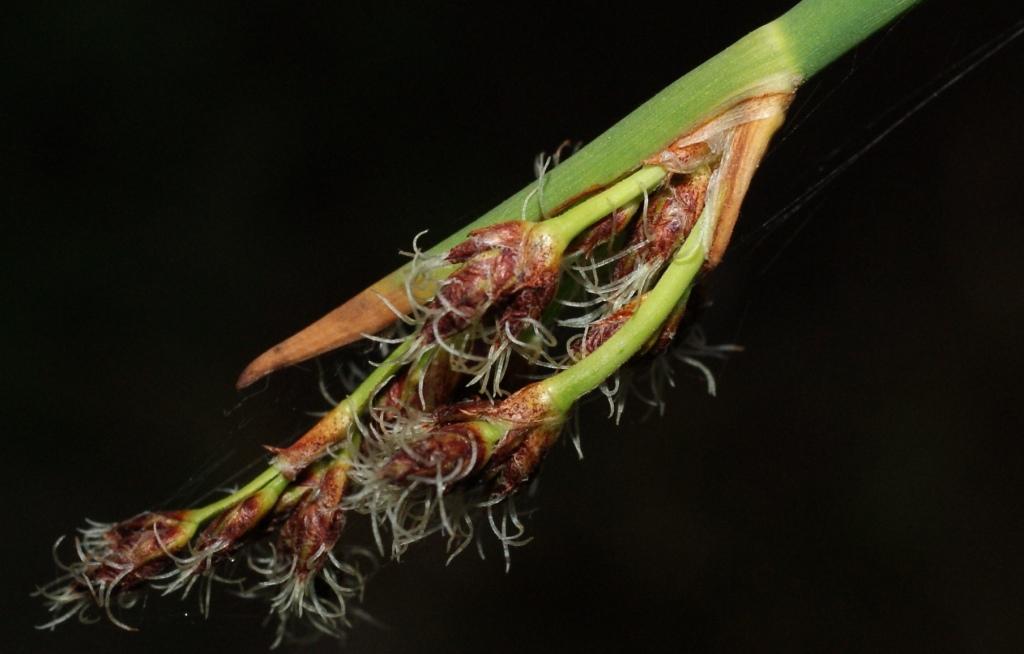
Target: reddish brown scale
(227, 530)
(670, 216)
(535, 429)
(142, 544)
(465, 296)
(528, 406)
(530, 301)
(601, 330)
(537, 284)
(439, 382)
(680, 158)
(315, 525)
(464, 411)
(507, 475)
(298, 491)
(509, 270)
(450, 448)
(507, 235)
(525, 411)
(670, 328)
(107, 574)
(394, 396)
(312, 445)
(470, 411)
(603, 232)
(457, 439)
(491, 257)
(136, 538)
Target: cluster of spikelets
(455, 421)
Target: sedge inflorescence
(524, 320)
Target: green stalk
(344, 412)
(817, 32)
(786, 51)
(775, 58)
(269, 476)
(564, 228)
(357, 401)
(782, 53)
(566, 387)
(338, 420)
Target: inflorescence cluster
(523, 320)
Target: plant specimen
(489, 340)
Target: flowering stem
(268, 476)
(566, 387)
(794, 46)
(339, 418)
(565, 227)
(335, 425)
(777, 57)
(360, 397)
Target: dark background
(186, 185)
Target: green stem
(276, 486)
(357, 401)
(566, 387)
(782, 53)
(268, 476)
(565, 227)
(817, 32)
(335, 425)
(353, 404)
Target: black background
(186, 185)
